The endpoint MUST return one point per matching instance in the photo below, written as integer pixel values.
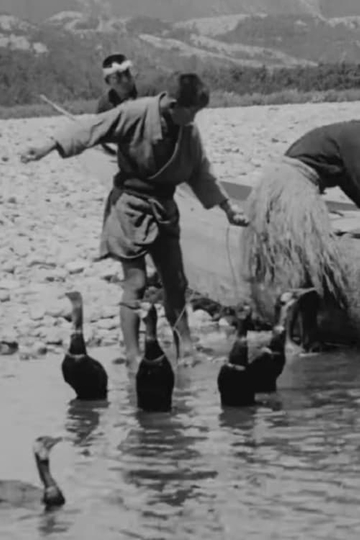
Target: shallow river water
(288, 468)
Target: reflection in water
(162, 464)
(52, 523)
(160, 449)
(287, 468)
(83, 418)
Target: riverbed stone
(223, 323)
(4, 296)
(58, 308)
(8, 266)
(9, 284)
(54, 336)
(37, 312)
(199, 318)
(39, 348)
(76, 267)
(108, 324)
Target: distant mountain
(178, 10)
(36, 10)
(339, 8)
(71, 44)
(310, 38)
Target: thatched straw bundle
(289, 242)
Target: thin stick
(57, 107)
(63, 111)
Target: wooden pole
(63, 111)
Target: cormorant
(234, 381)
(155, 376)
(269, 363)
(84, 374)
(20, 494)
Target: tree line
(73, 73)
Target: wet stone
(33, 260)
(8, 347)
(54, 336)
(9, 284)
(58, 274)
(4, 296)
(59, 308)
(108, 324)
(39, 348)
(9, 342)
(37, 332)
(107, 312)
(106, 337)
(199, 318)
(8, 267)
(76, 267)
(22, 248)
(110, 275)
(37, 313)
(223, 323)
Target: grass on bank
(218, 99)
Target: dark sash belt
(140, 187)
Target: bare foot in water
(317, 347)
(187, 355)
(133, 362)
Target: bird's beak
(297, 298)
(56, 440)
(304, 292)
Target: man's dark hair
(188, 90)
(109, 60)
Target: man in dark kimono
(159, 147)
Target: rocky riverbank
(50, 219)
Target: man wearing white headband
(117, 74)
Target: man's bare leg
(167, 257)
(134, 287)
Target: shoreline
(51, 215)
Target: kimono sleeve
(105, 127)
(203, 181)
(350, 184)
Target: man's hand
(34, 153)
(234, 214)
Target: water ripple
(287, 468)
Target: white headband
(117, 68)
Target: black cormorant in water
(234, 381)
(20, 494)
(155, 376)
(84, 374)
(269, 363)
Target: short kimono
(141, 208)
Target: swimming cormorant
(20, 494)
